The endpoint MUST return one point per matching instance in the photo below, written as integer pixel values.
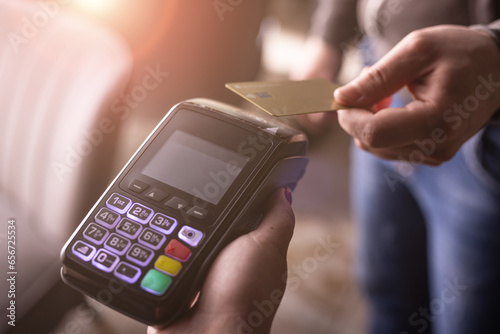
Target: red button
(177, 250)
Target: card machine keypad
(127, 237)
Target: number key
(105, 261)
(162, 223)
(118, 203)
(140, 255)
(95, 233)
(128, 228)
(140, 213)
(107, 217)
(152, 239)
(117, 244)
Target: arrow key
(156, 194)
(176, 203)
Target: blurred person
(426, 168)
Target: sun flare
(95, 6)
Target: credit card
(286, 98)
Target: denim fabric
(429, 251)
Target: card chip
(263, 95)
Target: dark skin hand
(252, 269)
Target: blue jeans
(429, 247)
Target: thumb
(396, 69)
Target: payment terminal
(199, 180)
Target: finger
(391, 127)
(276, 228)
(383, 104)
(316, 123)
(410, 153)
(396, 69)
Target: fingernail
(288, 195)
(348, 94)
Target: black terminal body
(200, 180)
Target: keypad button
(177, 250)
(105, 261)
(176, 203)
(140, 213)
(168, 265)
(152, 239)
(162, 223)
(139, 255)
(127, 272)
(156, 195)
(83, 250)
(95, 233)
(117, 244)
(118, 203)
(128, 228)
(156, 282)
(197, 212)
(107, 218)
(138, 186)
(190, 235)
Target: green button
(156, 282)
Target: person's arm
(247, 277)
(333, 27)
(453, 73)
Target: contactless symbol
(190, 235)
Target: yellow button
(168, 265)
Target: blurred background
(147, 56)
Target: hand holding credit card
(287, 98)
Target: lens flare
(95, 6)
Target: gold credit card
(286, 98)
